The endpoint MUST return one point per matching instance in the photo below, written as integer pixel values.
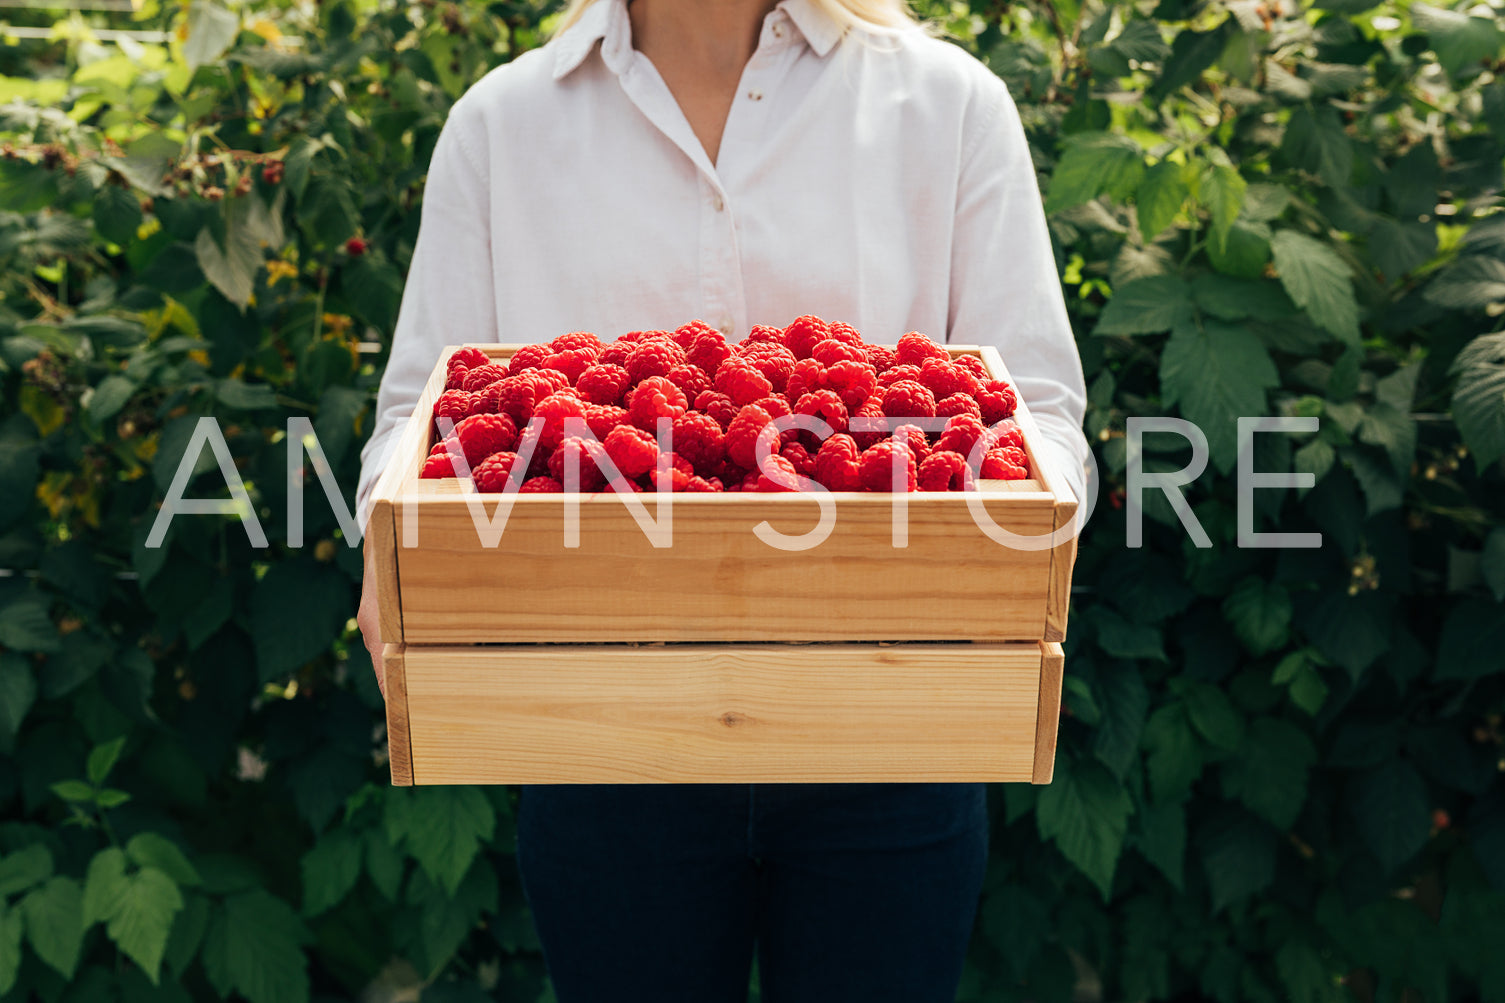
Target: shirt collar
(606, 21)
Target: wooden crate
(719, 581)
(722, 713)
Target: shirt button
(719, 203)
(778, 31)
(725, 327)
(755, 95)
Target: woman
(744, 162)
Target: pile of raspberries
(721, 399)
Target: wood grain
(399, 743)
(1048, 719)
(723, 713)
(381, 538)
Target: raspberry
(708, 351)
(997, 401)
(1013, 454)
(586, 453)
(804, 463)
(876, 468)
(691, 380)
(751, 426)
(774, 361)
(778, 474)
(831, 351)
(961, 434)
(602, 383)
(687, 335)
(777, 407)
(554, 380)
(999, 465)
(678, 471)
(908, 399)
(577, 340)
(893, 374)
(749, 482)
(483, 434)
(718, 405)
(616, 353)
(914, 348)
(855, 382)
(913, 436)
(483, 376)
(571, 361)
(454, 376)
(956, 404)
(802, 335)
(437, 466)
(742, 381)
(698, 438)
(1008, 433)
(764, 334)
(704, 484)
(807, 377)
(825, 405)
(602, 418)
(844, 332)
(836, 463)
(623, 486)
(653, 358)
(881, 357)
(975, 366)
(452, 404)
(632, 450)
(554, 409)
(944, 470)
(541, 486)
(652, 399)
(492, 473)
(941, 378)
(872, 408)
(517, 395)
(470, 358)
(528, 357)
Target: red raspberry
(554, 409)
(855, 382)
(454, 376)
(602, 418)
(836, 463)
(653, 358)
(893, 374)
(872, 408)
(742, 381)
(825, 405)
(941, 377)
(997, 401)
(616, 353)
(586, 453)
(704, 484)
(541, 486)
(876, 468)
(470, 357)
(632, 450)
(452, 404)
(603, 383)
(908, 399)
(517, 395)
(749, 482)
(974, 365)
(774, 361)
(802, 335)
(687, 334)
(804, 463)
(808, 377)
(881, 357)
(698, 438)
(483, 376)
(778, 474)
(708, 351)
(831, 351)
(554, 379)
(957, 404)
(355, 247)
(1008, 433)
(751, 426)
(483, 434)
(576, 340)
(492, 473)
(528, 357)
(914, 437)
(718, 405)
(623, 486)
(944, 470)
(961, 434)
(777, 407)
(999, 465)
(572, 361)
(844, 332)
(691, 380)
(1012, 454)
(652, 399)
(437, 467)
(914, 348)
(764, 334)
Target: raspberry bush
(1280, 772)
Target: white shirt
(884, 182)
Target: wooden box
(608, 659)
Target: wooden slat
(381, 537)
(1048, 719)
(1062, 560)
(724, 713)
(399, 744)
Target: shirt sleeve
(1004, 288)
(449, 296)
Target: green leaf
(1306, 976)
(1492, 564)
(1228, 298)
(1161, 837)
(1269, 772)
(1147, 306)
(1160, 197)
(1192, 52)
(55, 923)
(1122, 639)
(74, 790)
(1390, 806)
(298, 609)
(1479, 397)
(442, 827)
(230, 268)
(1399, 248)
(1090, 164)
(1351, 631)
(445, 920)
(10, 947)
(1471, 283)
(1213, 715)
(102, 760)
(1238, 857)
(1175, 753)
(1473, 639)
(211, 29)
(117, 213)
(1217, 375)
(1318, 281)
(1247, 253)
(1459, 39)
(254, 947)
(1221, 190)
(28, 866)
(1315, 142)
(1305, 685)
(142, 916)
(1125, 703)
(26, 624)
(19, 467)
(245, 396)
(374, 287)
(1260, 614)
(1086, 813)
(150, 849)
(109, 397)
(330, 870)
(18, 690)
(384, 865)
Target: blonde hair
(880, 15)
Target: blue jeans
(659, 892)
